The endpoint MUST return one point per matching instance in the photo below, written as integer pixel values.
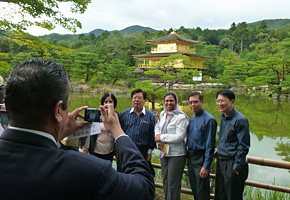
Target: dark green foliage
(245, 55)
(272, 23)
(165, 71)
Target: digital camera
(92, 115)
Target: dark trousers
(200, 186)
(144, 150)
(230, 185)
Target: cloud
(160, 14)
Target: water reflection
(268, 120)
(283, 150)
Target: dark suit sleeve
(133, 182)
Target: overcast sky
(165, 14)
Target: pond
(269, 127)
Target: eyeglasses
(108, 101)
(221, 100)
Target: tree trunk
(283, 67)
(153, 101)
(87, 78)
(153, 105)
(168, 86)
(87, 75)
(114, 81)
(277, 75)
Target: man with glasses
(201, 146)
(233, 147)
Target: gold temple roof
(173, 38)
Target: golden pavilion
(173, 44)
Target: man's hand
(149, 156)
(215, 152)
(111, 120)
(203, 172)
(85, 150)
(72, 125)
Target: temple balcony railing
(146, 66)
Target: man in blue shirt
(201, 145)
(138, 123)
(233, 147)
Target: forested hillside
(245, 55)
(73, 37)
(273, 23)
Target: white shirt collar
(143, 110)
(35, 132)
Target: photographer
(33, 167)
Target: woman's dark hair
(172, 94)
(109, 95)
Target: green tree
(231, 59)
(233, 70)
(269, 71)
(241, 35)
(235, 74)
(263, 27)
(116, 70)
(232, 29)
(67, 61)
(86, 65)
(227, 42)
(166, 72)
(15, 60)
(5, 68)
(45, 15)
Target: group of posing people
(37, 100)
(181, 139)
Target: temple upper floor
(173, 47)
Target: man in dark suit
(31, 164)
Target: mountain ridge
(271, 24)
(128, 30)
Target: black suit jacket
(32, 167)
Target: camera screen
(92, 115)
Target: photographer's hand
(111, 120)
(72, 125)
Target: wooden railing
(251, 160)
